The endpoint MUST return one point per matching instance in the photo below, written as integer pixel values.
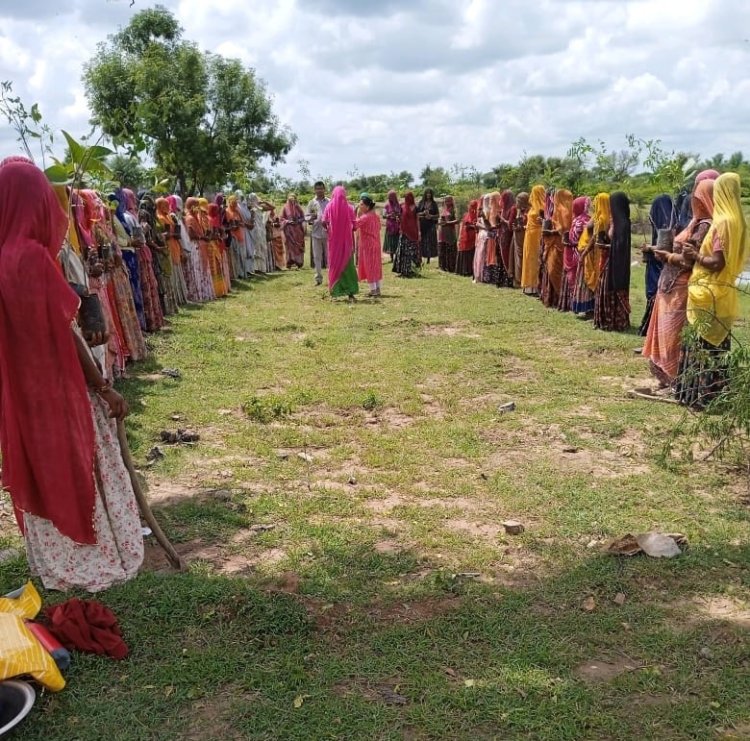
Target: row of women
(144, 257)
(82, 280)
(575, 255)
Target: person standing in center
(293, 224)
(407, 255)
(315, 210)
(339, 220)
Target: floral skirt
(63, 564)
(406, 258)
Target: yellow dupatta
(532, 241)
(713, 304)
(602, 219)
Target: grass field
(384, 600)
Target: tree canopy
(201, 117)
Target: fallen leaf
(589, 604)
(168, 691)
(450, 672)
(620, 599)
(299, 701)
(469, 682)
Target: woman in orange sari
(559, 218)
(669, 310)
(170, 233)
(214, 251)
(237, 236)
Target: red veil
(46, 428)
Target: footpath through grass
(350, 577)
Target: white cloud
(392, 86)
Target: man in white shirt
(315, 210)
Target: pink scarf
(339, 216)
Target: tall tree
(200, 116)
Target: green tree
(201, 117)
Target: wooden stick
(174, 558)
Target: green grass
(369, 436)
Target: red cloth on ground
(87, 625)
(46, 428)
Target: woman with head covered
(62, 464)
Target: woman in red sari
(62, 465)
(467, 241)
(293, 225)
(407, 256)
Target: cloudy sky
(388, 85)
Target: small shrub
(266, 409)
(371, 401)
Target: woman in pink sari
(339, 220)
(370, 266)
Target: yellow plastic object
(26, 605)
(20, 652)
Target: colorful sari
(481, 262)
(664, 334)
(467, 240)
(171, 235)
(392, 213)
(237, 236)
(407, 256)
(662, 216)
(532, 242)
(570, 252)
(560, 214)
(339, 217)
(293, 226)
(370, 263)
(201, 252)
(612, 304)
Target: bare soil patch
(451, 330)
(600, 671)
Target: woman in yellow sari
(590, 257)
(713, 304)
(532, 242)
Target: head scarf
(131, 202)
(662, 215)
(537, 199)
(409, 226)
(522, 200)
(192, 217)
(468, 237)
(120, 210)
(214, 215)
(46, 428)
(713, 304)
(494, 208)
(393, 205)
(702, 208)
(619, 273)
(506, 204)
(581, 207)
(602, 214)
(562, 210)
(339, 215)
